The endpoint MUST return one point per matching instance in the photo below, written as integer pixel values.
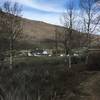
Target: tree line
(85, 20)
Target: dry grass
(36, 30)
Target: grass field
(44, 78)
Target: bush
(78, 60)
(94, 60)
(2, 57)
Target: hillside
(43, 34)
(41, 31)
(38, 31)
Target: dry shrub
(94, 60)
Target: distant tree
(12, 24)
(80, 37)
(91, 19)
(69, 21)
(57, 40)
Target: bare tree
(56, 41)
(69, 20)
(90, 19)
(13, 24)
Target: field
(46, 78)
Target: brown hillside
(34, 31)
(38, 31)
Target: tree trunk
(11, 53)
(69, 61)
(87, 56)
(39, 97)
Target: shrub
(78, 60)
(2, 57)
(94, 60)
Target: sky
(49, 11)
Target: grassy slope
(40, 34)
(38, 31)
